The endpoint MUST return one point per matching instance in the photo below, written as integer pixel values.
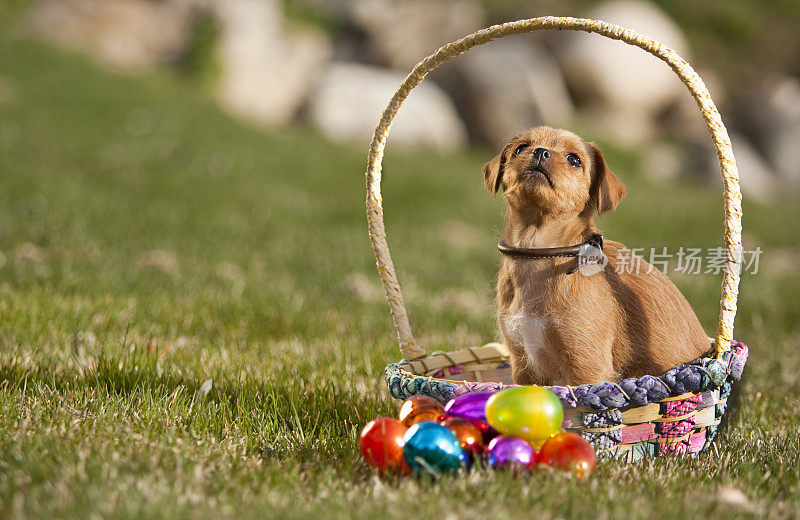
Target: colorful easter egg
(469, 436)
(569, 451)
(418, 408)
(472, 406)
(433, 449)
(382, 444)
(510, 452)
(531, 412)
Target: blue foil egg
(432, 448)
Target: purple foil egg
(470, 406)
(504, 452)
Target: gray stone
(508, 86)
(126, 34)
(268, 68)
(618, 81)
(627, 125)
(352, 96)
(402, 32)
(684, 119)
(756, 177)
(781, 129)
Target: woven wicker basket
(674, 413)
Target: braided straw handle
(719, 135)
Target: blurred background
(157, 148)
(190, 316)
(332, 65)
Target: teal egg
(432, 448)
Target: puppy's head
(553, 171)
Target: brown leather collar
(595, 240)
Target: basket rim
(718, 133)
(700, 375)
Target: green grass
(105, 345)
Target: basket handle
(719, 135)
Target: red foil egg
(418, 408)
(569, 451)
(468, 435)
(382, 444)
(488, 432)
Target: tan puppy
(629, 320)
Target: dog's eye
(573, 160)
(520, 148)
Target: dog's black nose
(541, 154)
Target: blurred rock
(684, 123)
(627, 125)
(773, 120)
(127, 34)
(508, 86)
(268, 68)
(756, 177)
(683, 119)
(701, 160)
(624, 86)
(402, 32)
(352, 96)
(331, 8)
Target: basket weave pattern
(675, 413)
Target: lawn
(191, 323)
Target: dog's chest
(526, 331)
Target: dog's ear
(493, 172)
(606, 189)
